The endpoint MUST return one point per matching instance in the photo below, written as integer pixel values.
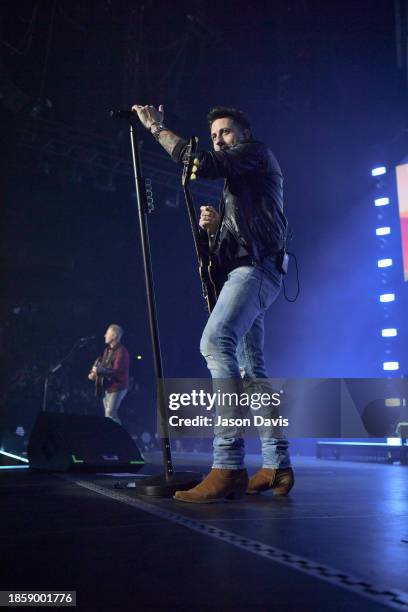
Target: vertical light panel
(402, 188)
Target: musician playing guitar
(245, 243)
(111, 373)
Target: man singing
(113, 368)
(247, 238)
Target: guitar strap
(106, 362)
(108, 356)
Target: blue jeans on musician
(232, 339)
(111, 403)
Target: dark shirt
(116, 362)
(229, 254)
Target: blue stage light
(378, 171)
(391, 365)
(393, 402)
(3, 452)
(383, 231)
(390, 332)
(382, 201)
(384, 263)
(394, 441)
(387, 297)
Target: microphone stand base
(162, 485)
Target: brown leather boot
(218, 486)
(280, 481)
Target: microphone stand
(52, 369)
(163, 485)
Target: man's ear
(247, 134)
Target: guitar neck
(195, 228)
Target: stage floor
(339, 542)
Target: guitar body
(99, 381)
(206, 271)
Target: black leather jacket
(252, 203)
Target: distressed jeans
(111, 403)
(232, 339)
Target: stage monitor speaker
(78, 443)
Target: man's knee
(109, 410)
(211, 341)
(110, 404)
(207, 343)
(216, 341)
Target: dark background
(325, 85)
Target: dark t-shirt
(229, 254)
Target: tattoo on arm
(169, 140)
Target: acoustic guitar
(99, 380)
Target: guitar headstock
(190, 162)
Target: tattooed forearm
(168, 140)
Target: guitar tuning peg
(193, 176)
(196, 161)
(194, 169)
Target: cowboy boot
(279, 480)
(219, 485)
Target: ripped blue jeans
(232, 339)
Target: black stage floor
(339, 542)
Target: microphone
(121, 114)
(87, 338)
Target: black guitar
(200, 236)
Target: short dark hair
(219, 112)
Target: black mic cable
(288, 299)
(297, 278)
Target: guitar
(99, 381)
(200, 236)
